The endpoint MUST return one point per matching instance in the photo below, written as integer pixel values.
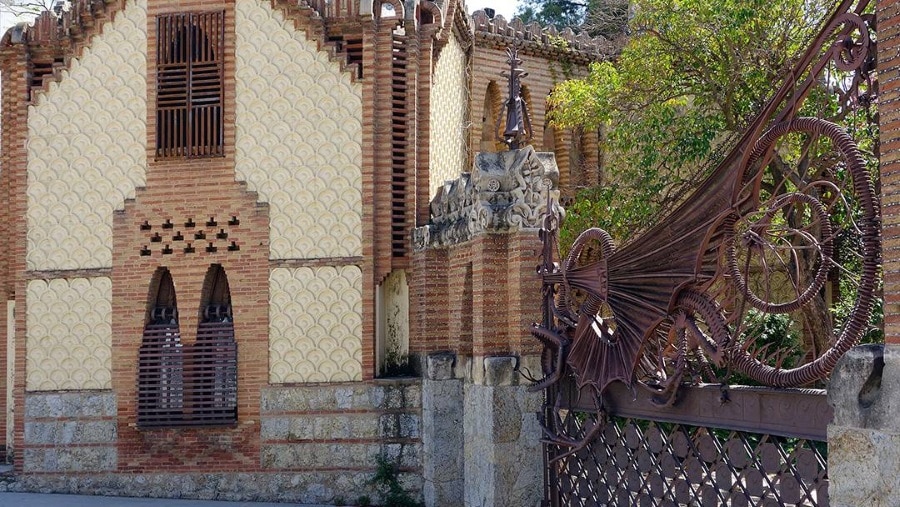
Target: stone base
(864, 437)
(503, 463)
(305, 488)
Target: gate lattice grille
(649, 463)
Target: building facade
(210, 216)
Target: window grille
(190, 71)
(189, 384)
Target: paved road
(42, 500)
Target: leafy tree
(608, 18)
(691, 77)
(693, 73)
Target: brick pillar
(864, 436)
(476, 292)
(13, 171)
(889, 113)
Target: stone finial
(518, 122)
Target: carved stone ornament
(506, 191)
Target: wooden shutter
(160, 376)
(190, 72)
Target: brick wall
(576, 152)
(889, 112)
(12, 186)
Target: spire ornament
(518, 121)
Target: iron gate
(737, 447)
(641, 343)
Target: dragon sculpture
(676, 304)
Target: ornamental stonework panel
(69, 334)
(87, 147)
(298, 137)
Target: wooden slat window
(190, 72)
(189, 384)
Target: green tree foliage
(693, 73)
(608, 18)
(690, 79)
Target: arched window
(189, 75)
(160, 358)
(490, 128)
(188, 384)
(214, 357)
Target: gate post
(503, 461)
(864, 436)
(481, 436)
(442, 431)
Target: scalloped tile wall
(87, 147)
(298, 137)
(449, 116)
(315, 324)
(69, 334)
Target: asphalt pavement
(47, 500)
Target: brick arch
(215, 291)
(160, 376)
(493, 102)
(399, 11)
(160, 293)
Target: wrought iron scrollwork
(759, 239)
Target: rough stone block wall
(337, 431)
(70, 432)
(502, 439)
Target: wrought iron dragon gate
(684, 304)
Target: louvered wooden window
(190, 71)
(189, 384)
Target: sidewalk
(46, 500)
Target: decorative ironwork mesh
(190, 70)
(649, 463)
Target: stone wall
(70, 432)
(864, 436)
(319, 444)
(301, 425)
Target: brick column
(12, 173)
(889, 113)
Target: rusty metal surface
(754, 241)
(646, 463)
(738, 408)
(641, 342)
(517, 130)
